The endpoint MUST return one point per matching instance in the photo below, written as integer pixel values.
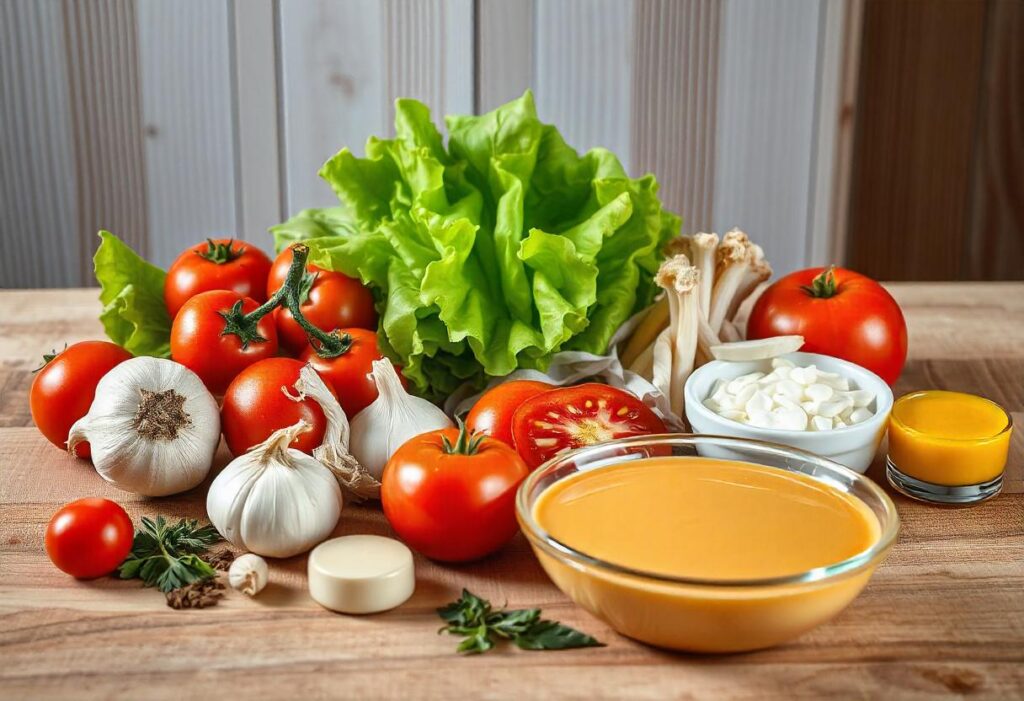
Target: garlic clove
(861, 397)
(734, 415)
(804, 376)
(742, 381)
(860, 414)
(821, 423)
(760, 403)
(789, 419)
(790, 389)
(819, 392)
(249, 574)
(745, 393)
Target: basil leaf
(551, 635)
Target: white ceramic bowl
(854, 446)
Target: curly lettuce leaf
(493, 254)
(132, 294)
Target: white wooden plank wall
(675, 104)
(101, 49)
(344, 63)
(185, 66)
(169, 121)
(37, 182)
(258, 143)
(583, 70)
(766, 124)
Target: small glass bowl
(942, 470)
(706, 615)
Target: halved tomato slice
(572, 417)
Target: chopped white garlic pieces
(791, 398)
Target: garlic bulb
(394, 417)
(275, 500)
(248, 574)
(153, 427)
(334, 453)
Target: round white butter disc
(361, 574)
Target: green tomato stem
(289, 295)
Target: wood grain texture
(37, 189)
(916, 125)
(995, 236)
(944, 616)
(102, 55)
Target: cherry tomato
(492, 413)
(199, 341)
(64, 388)
(334, 302)
(89, 538)
(572, 417)
(279, 270)
(349, 373)
(839, 313)
(217, 264)
(254, 407)
(451, 496)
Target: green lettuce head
(492, 254)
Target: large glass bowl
(706, 615)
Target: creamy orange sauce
(949, 438)
(706, 518)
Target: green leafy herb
(492, 252)
(167, 557)
(472, 617)
(132, 293)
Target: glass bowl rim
(851, 565)
(911, 396)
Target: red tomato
(279, 270)
(839, 313)
(199, 341)
(572, 417)
(64, 388)
(492, 413)
(451, 496)
(334, 302)
(89, 538)
(254, 407)
(349, 373)
(217, 264)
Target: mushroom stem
(703, 248)
(676, 348)
(733, 259)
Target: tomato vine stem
(289, 296)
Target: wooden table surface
(943, 616)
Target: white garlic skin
(393, 418)
(274, 500)
(248, 574)
(151, 467)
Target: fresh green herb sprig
(472, 617)
(167, 557)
